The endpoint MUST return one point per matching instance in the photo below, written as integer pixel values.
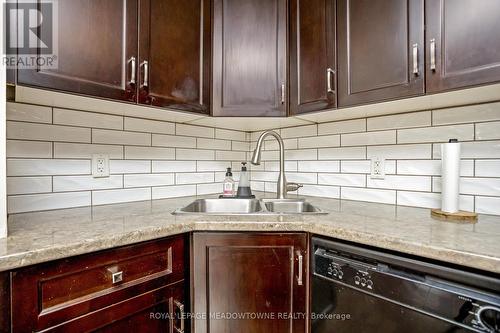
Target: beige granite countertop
(44, 236)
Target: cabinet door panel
(175, 40)
(250, 274)
(249, 57)
(467, 47)
(312, 54)
(376, 50)
(96, 40)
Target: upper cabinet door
(174, 52)
(380, 50)
(312, 56)
(97, 45)
(463, 43)
(249, 57)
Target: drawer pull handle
(145, 82)
(415, 59)
(329, 75)
(180, 306)
(117, 277)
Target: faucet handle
(292, 187)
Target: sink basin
(223, 207)
(291, 206)
(249, 207)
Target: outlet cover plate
(377, 168)
(100, 165)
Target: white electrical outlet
(377, 168)
(100, 165)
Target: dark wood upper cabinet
(174, 52)
(250, 273)
(249, 58)
(380, 50)
(463, 45)
(96, 42)
(312, 55)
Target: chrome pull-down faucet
(283, 185)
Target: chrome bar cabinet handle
(180, 306)
(433, 54)
(415, 59)
(133, 64)
(145, 82)
(300, 258)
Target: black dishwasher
(356, 289)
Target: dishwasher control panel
(467, 307)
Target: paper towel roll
(450, 176)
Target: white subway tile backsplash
(406, 120)
(301, 155)
(273, 144)
(85, 150)
(431, 200)
(431, 167)
(240, 146)
(396, 152)
(28, 185)
(410, 183)
(82, 183)
(301, 178)
(46, 167)
(195, 154)
(28, 112)
(467, 114)
(121, 137)
(488, 205)
(143, 180)
(194, 178)
(369, 195)
(354, 153)
(368, 138)
(342, 179)
(347, 126)
(488, 131)
(148, 126)
(165, 192)
(123, 195)
(196, 131)
(204, 189)
(174, 166)
(213, 144)
(202, 166)
(436, 134)
(290, 166)
(33, 149)
(129, 166)
(230, 135)
(149, 153)
(173, 141)
(365, 167)
(319, 166)
(487, 168)
(36, 202)
(44, 132)
(299, 132)
(473, 186)
(87, 119)
(230, 156)
(321, 191)
(319, 141)
(478, 149)
(265, 176)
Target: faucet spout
(282, 184)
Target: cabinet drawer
(52, 293)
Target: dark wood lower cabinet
(250, 282)
(137, 287)
(4, 302)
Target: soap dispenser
(244, 190)
(229, 185)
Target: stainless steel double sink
(249, 207)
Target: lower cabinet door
(250, 282)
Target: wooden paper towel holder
(459, 217)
